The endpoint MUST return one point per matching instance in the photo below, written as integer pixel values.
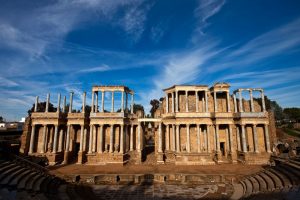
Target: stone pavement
(159, 191)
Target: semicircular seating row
(20, 181)
(281, 179)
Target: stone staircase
(282, 179)
(21, 179)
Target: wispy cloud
(101, 68)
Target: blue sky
(64, 45)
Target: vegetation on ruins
(41, 107)
(155, 105)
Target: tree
(272, 106)
(137, 107)
(292, 113)
(1, 119)
(41, 107)
(155, 105)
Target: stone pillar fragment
(71, 102)
(31, 145)
(36, 103)
(58, 103)
(47, 103)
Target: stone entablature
(195, 125)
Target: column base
(80, 157)
(66, 158)
(160, 158)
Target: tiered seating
(21, 179)
(280, 179)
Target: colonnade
(175, 101)
(97, 133)
(252, 108)
(124, 93)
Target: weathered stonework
(194, 125)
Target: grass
(291, 132)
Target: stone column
(132, 102)
(68, 139)
(31, 145)
(61, 137)
(94, 138)
(176, 101)
(55, 139)
(238, 138)
(102, 100)
(206, 102)
(198, 138)
(44, 139)
(251, 101)
(71, 102)
(84, 139)
(244, 138)
(93, 104)
(205, 133)
(97, 101)
(126, 101)
(227, 139)
(84, 101)
(172, 102)
(81, 138)
(256, 150)
(131, 137)
(217, 138)
(197, 101)
(111, 143)
(90, 139)
(177, 138)
(47, 103)
(230, 138)
(159, 138)
(215, 101)
(122, 139)
(36, 103)
(241, 101)
(267, 138)
(100, 148)
(58, 103)
(167, 137)
(203, 104)
(174, 138)
(188, 145)
(235, 104)
(186, 101)
(208, 138)
(112, 101)
(139, 137)
(263, 101)
(167, 103)
(228, 102)
(64, 104)
(122, 102)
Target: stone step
(268, 180)
(11, 176)
(18, 178)
(275, 178)
(9, 171)
(31, 182)
(238, 192)
(38, 183)
(249, 187)
(45, 184)
(294, 180)
(293, 170)
(255, 184)
(262, 183)
(22, 183)
(286, 182)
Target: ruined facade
(195, 125)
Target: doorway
(222, 148)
